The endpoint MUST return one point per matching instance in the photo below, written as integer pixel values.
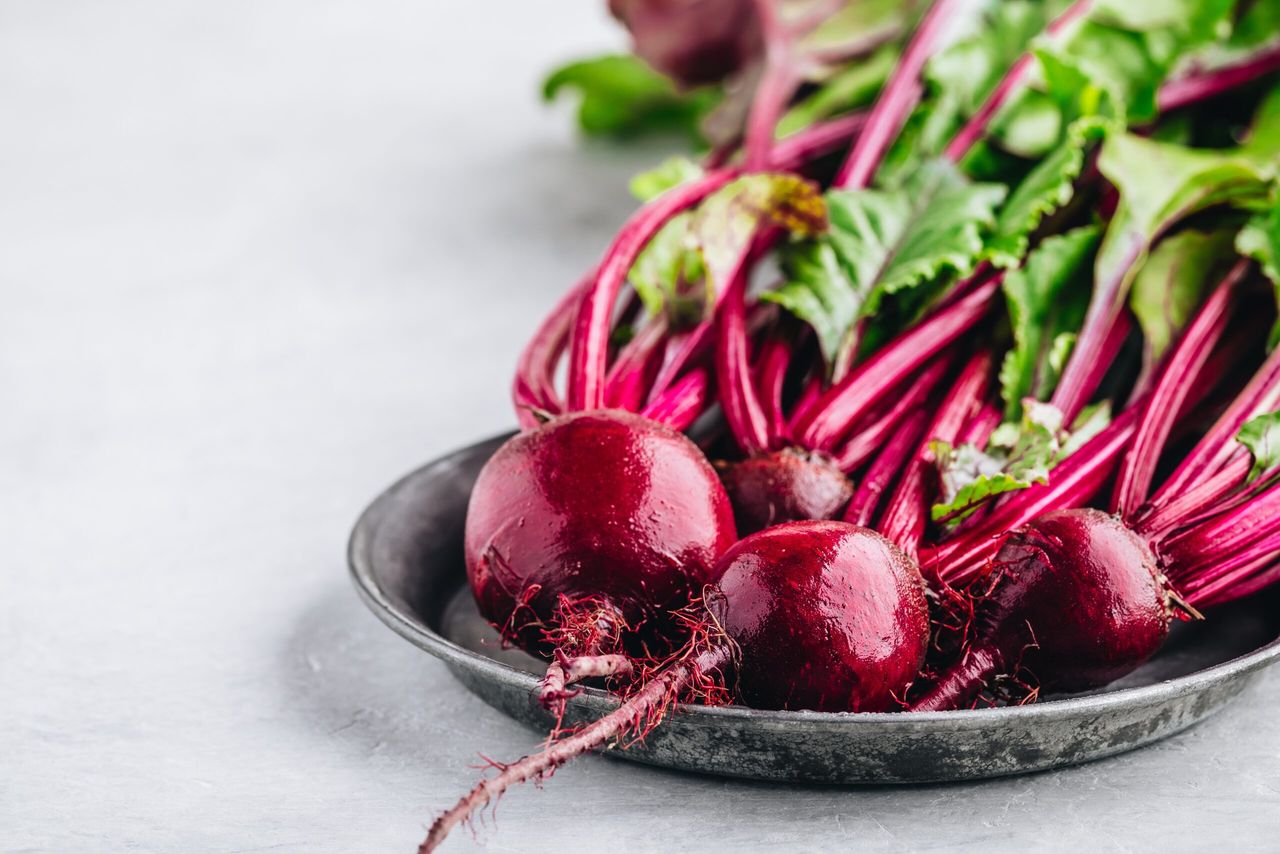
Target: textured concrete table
(260, 258)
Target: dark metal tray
(406, 557)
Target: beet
(1077, 600)
(790, 485)
(825, 615)
(603, 505)
(806, 615)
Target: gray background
(258, 259)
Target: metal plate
(406, 557)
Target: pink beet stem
(646, 702)
(627, 384)
(1218, 538)
(589, 345)
(1013, 79)
(1187, 361)
(534, 385)
(901, 443)
(822, 425)
(1262, 394)
(898, 98)
(742, 408)
(904, 519)
(681, 404)
(775, 360)
(1185, 508)
(1199, 86)
(867, 441)
(1106, 309)
(777, 84)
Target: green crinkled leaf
(680, 268)
(726, 221)
(1169, 286)
(667, 175)
(1017, 455)
(1161, 184)
(621, 96)
(1048, 187)
(884, 242)
(1261, 435)
(1047, 298)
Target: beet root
(790, 485)
(602, 506)
(807, 615)
(1076, 600)
(826, 616)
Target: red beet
(602, 505)
(807, 615)
(1078, 600)
(825, 615)
(790, 485)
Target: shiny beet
(1079, 602)
(826, 615)
(784, 486)
(602, 504)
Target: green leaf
(1048, 187)
(1017, 455)
(884, 242)
(1047, 298)
(1261, 435)
(667, 175)
(623, 97)
(727, 220)
(667, 274)
(1169, 286)
(1161, 184)
(679, 269)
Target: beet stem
(963, 682)
(646, 702)
(1198, 87)
(1167, 400)
(742, 408)
(823, 424)
(867, 441)
(898, 98)
(976, 127)
(534, 386)
(880, 476)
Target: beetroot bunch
(944, 379)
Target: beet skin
(605, 505)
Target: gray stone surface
(260, 258)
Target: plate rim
(412, 629)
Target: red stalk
(1072, 483)
(1202, 85)
(1187, 361)
(777, 84)
(534, 386)
(884, 469)
(822, 425)
(976, 127)
(1158, 520)
(1218, 445)
(898, 98)
(868, 440)
(742, 408)
(627, 384)
(681, 404)
(589, 346)
(904, 518)
(775, 360)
